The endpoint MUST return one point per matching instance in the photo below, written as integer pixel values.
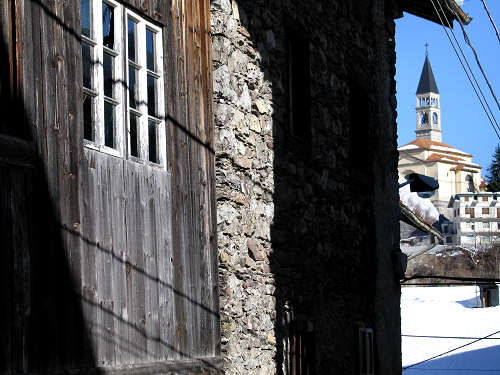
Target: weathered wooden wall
(121, 268)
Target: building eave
(426, 10)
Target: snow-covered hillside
(450, 317)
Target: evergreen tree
(493, 177)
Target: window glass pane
(131, 40)
(85, 17)
(109, 114)
(107, 26)
(86, 65)
(150, 50)
(133, 135)
(87, 118)
(152, 110)
(108, 75)
(132, 89)
(153, 140)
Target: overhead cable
(491, 19)
(451, 350)
(489, 115)
(454, 278)
(467, 40)
(465, 58)
(452, 337)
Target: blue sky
(463, 121)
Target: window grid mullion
(118, 86)
(161, 133)
(142, 91)
(99, 74)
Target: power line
(452, 337)
(454, 278)
(455, 369)
(449, 351)
(491, 117)
(491, 19)
(467, 40)
(467, 62)
(465, 283)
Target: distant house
(476, 219)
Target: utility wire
(465, 283)
(456, 369)
(452, 337)
(491, 19)
(467, 40)
(467, 73)
(474, 279)
(451, 350)
(467, 62)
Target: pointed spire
(427, 82)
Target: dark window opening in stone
(299, 346)
(470, 185)
(299, 86)
(362, 175)
(365, 351)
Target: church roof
(428, 145)
(427, 82)
(441, 157)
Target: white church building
(470, 215)
(428, 155)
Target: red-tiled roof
(426, 144)
(438, 157)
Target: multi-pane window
(123, 104)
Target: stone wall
(306, 226)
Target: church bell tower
(428, 106)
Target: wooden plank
(118, 268)
(74, 118)
(6, 273)
(211, 251)
(135, 281)
(107, 171)
(165, 272)
(154, 186)
(61, 180)
(90, 222)
(177, 144)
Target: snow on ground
(448, 311)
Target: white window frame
(142, 109)
(120, 100)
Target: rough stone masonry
(306, 224)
